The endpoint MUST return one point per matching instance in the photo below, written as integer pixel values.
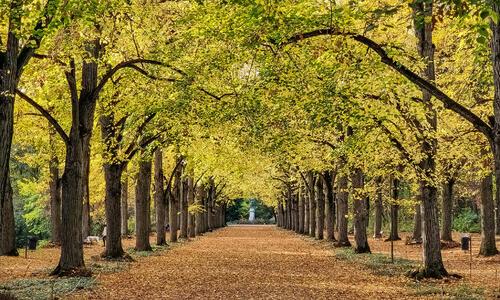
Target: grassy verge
(382, 265)
(156, 250)
(41, 289)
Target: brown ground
(252, 262)
(244, 262)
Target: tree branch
(448, 102)
(46, 114)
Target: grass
(380, 264)
(41, 289)
(461, 291)
(156, 250)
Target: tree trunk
(159, 197)
(495, 49)
(7, 230)
(190, 198)
(488, 246)
(72, 195)
(330, 204)
(55, 192)
(296, 212)
(142, 206)
(360, 213)
(199, 214)
(312, 204)
(447, 212)
(86, 195)
(417, 221)
(306, 210)
(343, 211)
(432, 259)
(112, 202)
(394, 234)
(124, 206)
(8, 84)
(320, 208)
(301, 210)
(379, 208)
(184, 210)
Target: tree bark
(360, 213)
(394, 234)
(343, 211)
(124, 206)
(7, 228)
(191, 216)
(432, 259)
(200, 191)
(495, 49)
(55, 192)
(312, 204)
(379, 208)
(447, 210)
(330, 204)
(307, 213)
(112, 202)
(142, 206)
(488, 246)
(184, 210)
(8, 85)
(159, 197)
(417, 221)
(320, 208)
(301, 210)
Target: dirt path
(245, 262)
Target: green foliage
(41, 289)
(467, 221)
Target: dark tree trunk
(184, 211)
(312, 204)
(200, 191)
(432, 259)
(417, 221)
(7, 230)
(495, 49)
(55, 192)
(379, 208)
(394, 234)
(113, 171)
(330, 204)
(142, 206)
(307, 213)
(8, 83)
(447, 212)
(488, 246)
(86, 195)
(360, 213)
(159, 197)
(296, 213)
(342, 212)
(301, 210)
(191, 216)
(112, 201)
(124, 206)
(211, 203)
(320, 208)
(72, 195)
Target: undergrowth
(41, 289)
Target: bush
(466, 221)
